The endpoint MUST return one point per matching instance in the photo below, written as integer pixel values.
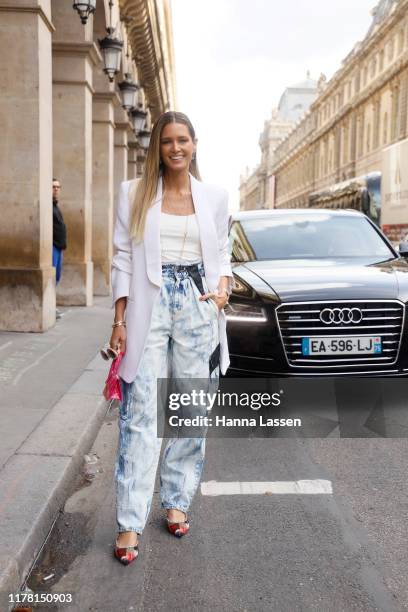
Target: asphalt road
(341, 552)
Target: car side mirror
(403, 249)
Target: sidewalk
(51, 408)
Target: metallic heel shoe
(126, 554)
(178, 529)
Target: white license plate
(341, 345)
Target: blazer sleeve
(223, 242)
(121, 269)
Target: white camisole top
(172, 230)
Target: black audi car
(317, 292)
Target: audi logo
(336, 316)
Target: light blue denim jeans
(183, 334)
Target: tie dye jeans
(182, 338)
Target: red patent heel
(178, 529)
(126, 554)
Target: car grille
(383, 318)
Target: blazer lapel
(208, 233)
(152, 238)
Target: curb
(37, 479)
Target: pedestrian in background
(171, 278)
(59, 234)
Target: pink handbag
(113, 388)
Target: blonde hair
(147, 186)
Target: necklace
(183, 198)
(186, 224)
(180, 207)
(179, 204)
(184, 238)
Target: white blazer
(136, 267)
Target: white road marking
(297, 487)
(5, 345)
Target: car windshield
(306, 236)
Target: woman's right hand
(118, 338)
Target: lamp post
(128, 90)
(111, 48)
(138, 118)
(128, 87)
(144, 138)
(84, 8)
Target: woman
(171, 275)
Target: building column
(337, 153)
(395, 101)
(74, 55)
(120, 165)
(140, 158)
(353, 144)
(27, 278)
(132, 157)
(102, 192)
(403, 106)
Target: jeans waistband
(184, 270)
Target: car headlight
(248, 313)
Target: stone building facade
(62, 117)
(359, 112)
(257, 188)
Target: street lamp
(111, 48)
(144, 138)
(128, 89)
(84, 8)
(138, 118)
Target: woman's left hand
(220, 300)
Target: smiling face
(176, 147)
